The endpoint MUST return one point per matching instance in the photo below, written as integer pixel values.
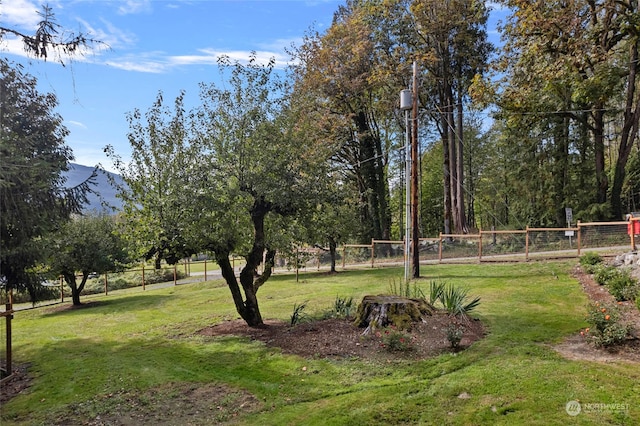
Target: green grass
(135, 341)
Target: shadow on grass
(77, 378)
(129, 302)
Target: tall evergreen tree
(33, 197)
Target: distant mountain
(104, 199)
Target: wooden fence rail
(499, 244)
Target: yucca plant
(435, 291)
(454, 300)
(298, 314)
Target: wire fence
(499, 245)
(493, 245)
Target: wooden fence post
(106, 285)
(61, 289)
(480, 247)
(175, 274)
(373, 252)
(205, 269)
(440, 249)
(9, 316)
(526, 244)
(344, 255)
(579, 239)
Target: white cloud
(160, 62)
(281, 44)
(77, 124)
(131, 7)
(133, 64)
(20, 13)
(211, 56)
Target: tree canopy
(228, 177)
(33, 198)
(84, 246)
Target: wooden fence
(500, 245)
(493, 245)
(7, 370)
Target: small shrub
(394, 340)
(605, 273)
(589, 261)
(298, 314)
(342, 307)
(454, 334)
(623, 286)
(118, 284)
(606, 328)
(590, 258)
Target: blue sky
(155, 45)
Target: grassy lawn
(134, 341)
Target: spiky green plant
(298, 314)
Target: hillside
(104, 199)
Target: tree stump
(384, 310)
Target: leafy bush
(454, 334)
(589, 260)
(394, 340)
(623, 286)
(605, 273)
(40, 292)
(606, 328)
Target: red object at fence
(633, 224)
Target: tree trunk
(462, 226)
(332, 251)
(70, 278)
(247, 306)
(447, 175)
(601, 174)
(629, 133)
(222, 258)
(373, 178)
(251, 312)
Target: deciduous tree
(578, 60)
(338, 69)
(260, 172)
(83, 246)
(156, 186)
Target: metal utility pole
(406, 104)
(415, 237)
